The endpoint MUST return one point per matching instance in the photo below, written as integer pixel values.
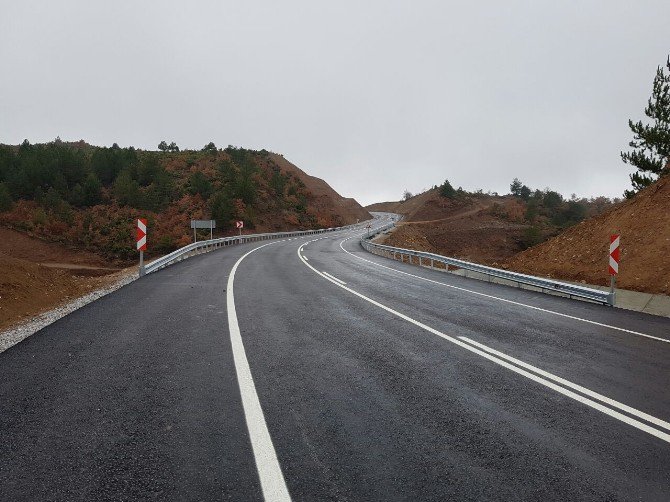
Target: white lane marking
(335, 278)
(611, 402)
(272, 480)
(540, 309)
(561, 390)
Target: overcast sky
(372, 96)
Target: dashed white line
(493, 297)
(486, 353)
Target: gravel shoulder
(18, 332)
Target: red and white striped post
(141, 237)
(615, 256)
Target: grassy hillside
(89, 196)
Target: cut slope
(465, 227)
(24, 247)
(419, 207)
(36, 275)
(581, 252)
(325, 200)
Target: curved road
(308, 369)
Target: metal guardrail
(212, 244)
(417, 257)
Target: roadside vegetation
(89, 196)
(487, 227)
(650, 146)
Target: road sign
(239, 224)
(203, 224)
(141, 238)
(141, 234)
(211, 224)
(615, 254)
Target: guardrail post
(611, 299)
(142, 271)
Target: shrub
(531, 236)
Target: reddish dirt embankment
(325, 201)
(40, 275)
(581, 252)
(465, 227)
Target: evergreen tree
(221, 207)
(5, 198)
(92, 190)
(651, 142)
(199, 184)
(446, 190)
(209, 147)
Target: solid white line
(333, 277)
(540, 309)
(272, 480)
(615, 404)
(568, 393)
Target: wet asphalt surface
(135, 396)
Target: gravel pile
(14, 335)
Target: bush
(40, 216)
(531, 237)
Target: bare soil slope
(24, 247)
(465, 227)
(325, 201)
(581, 252)
(415, 205)
(36, 275)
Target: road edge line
(272, 480)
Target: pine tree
(515, 187)
(446, 190)
(651, 142)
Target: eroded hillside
(581, 252)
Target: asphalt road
(309, 369)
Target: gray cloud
(373, 96)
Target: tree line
(63, 178)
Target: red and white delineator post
(141, 241)
(615, 256)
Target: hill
(580, 253)
(484, 227)
(88, 197)
(463, 227)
